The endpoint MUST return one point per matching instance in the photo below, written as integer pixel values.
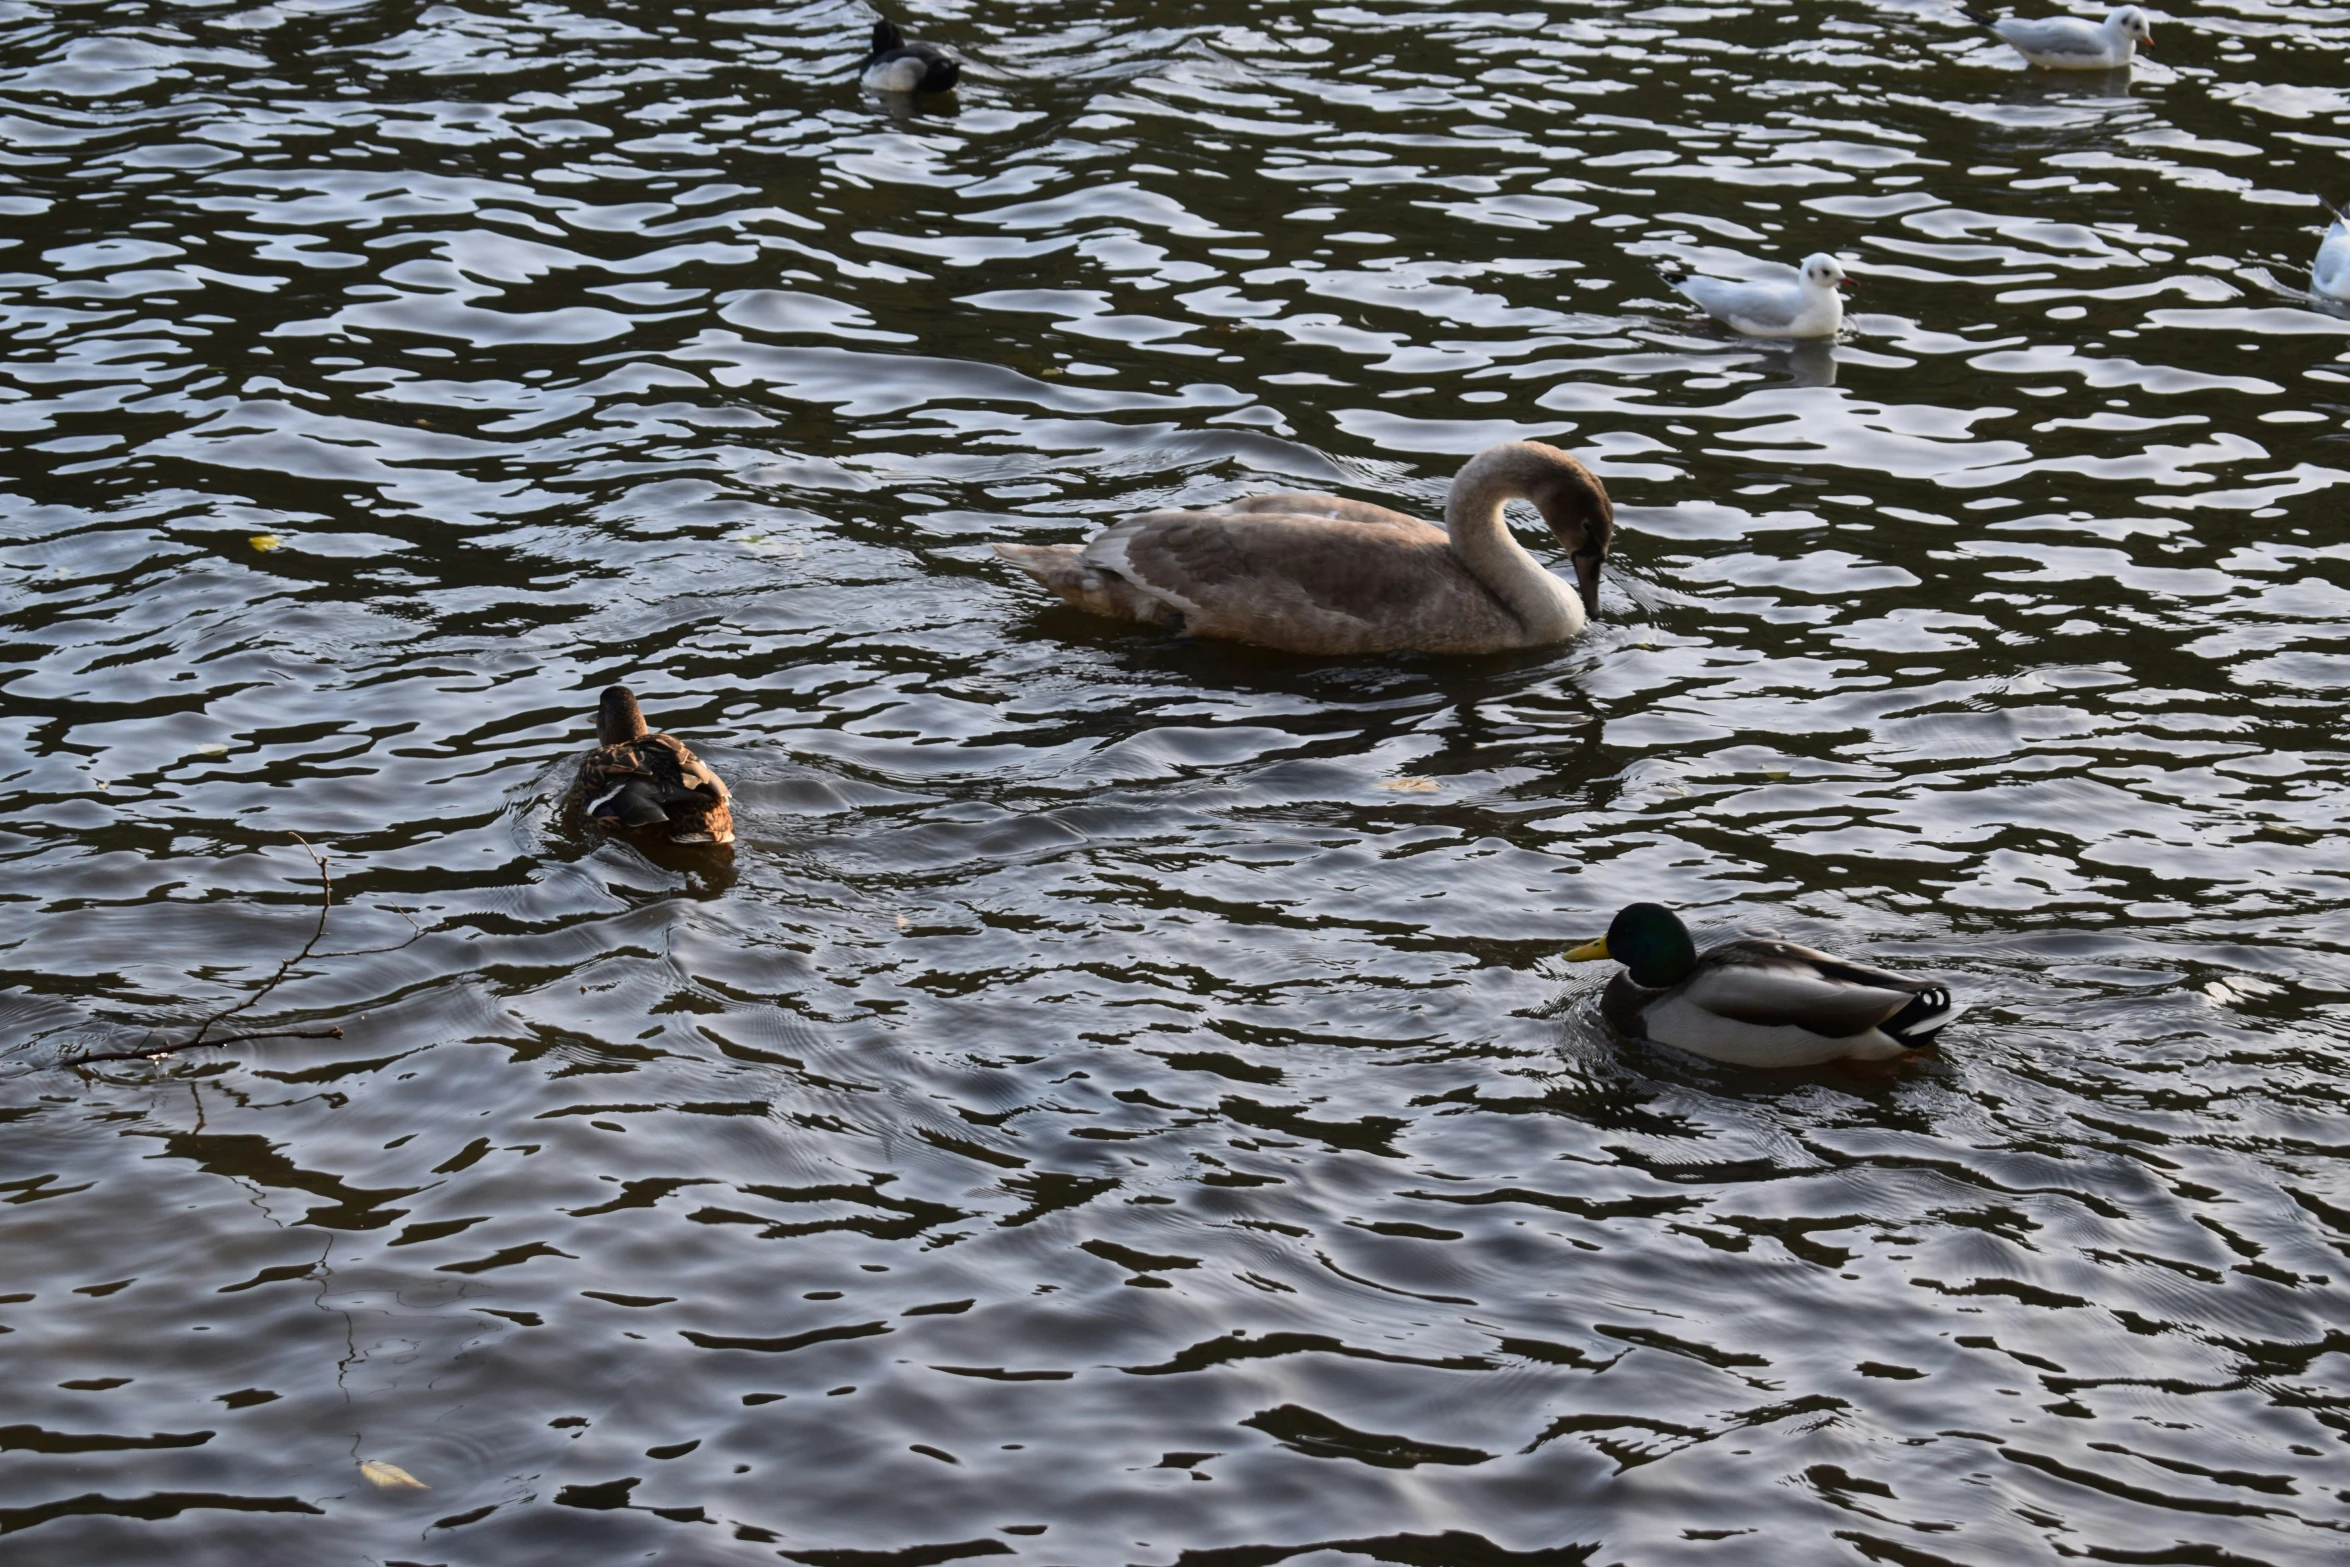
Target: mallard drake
(636, 779)
(1791, 302)
(1330, 575)
(1757, 1003)
(898, 64)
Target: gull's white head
(1823, 271)
(2131, 23)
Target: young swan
(1757, 1003)
(2067, 43)
(897, 65)
(1322, 574)
(636, 779)
(1806, 302)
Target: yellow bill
(1589, 950)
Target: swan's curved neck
(1482, 541)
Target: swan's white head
(1824, 271)
(2131, 23)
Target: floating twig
(154, 1050)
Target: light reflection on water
(1092, 1119)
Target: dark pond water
(1124, 1103)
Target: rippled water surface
(1123, 1103)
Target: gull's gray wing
(1767, 304)
(2052, 35)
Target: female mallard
(637, 779)
(1757, 1003)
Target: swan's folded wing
(1288, 581)
(1772, 986)
(1304, 503)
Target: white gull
(2068, 43)
(2329, 277)
(1790, 303)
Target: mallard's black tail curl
(1918, 1022)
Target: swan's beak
(1587, 579)
(1588, 951)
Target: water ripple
(1122, 1102)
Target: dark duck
(1757, 1003)
(636, 780)
(898, 64)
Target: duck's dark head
(618, 718)
(1650, 941)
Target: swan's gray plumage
(1324, 574)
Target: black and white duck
(898, 64)
(1754, 1002)
(636, 780)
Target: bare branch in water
(415, 934)
(152, 1052)
(158, 1050)
(326, 901)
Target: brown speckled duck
(636, 780)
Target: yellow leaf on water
(1776, 774)
(390, 1477)
(265, 542)
(901, 922)
(1409, 785)
(767, 544)
(212, 750)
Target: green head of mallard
(1650, 941)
